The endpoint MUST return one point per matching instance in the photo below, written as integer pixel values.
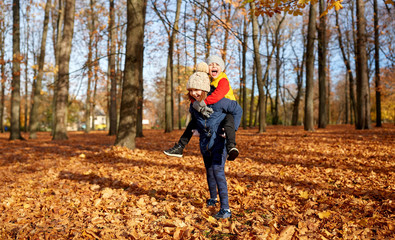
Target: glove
(202, 108)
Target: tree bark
(126, 135)
(113, 79)
(260, 80)
(227, 10)
(62, 85)
(139, 124)
(309, 99)
(26, 125)
(299, 85)
(275, 119)
(169, 74)
(363, 99)
(3, 79)
(37, 84)
(208, 29)
(322, 53)
(88, 101)
(244, 70)
(252, 102)
(346, 61)
(15, 132)
(377, 64)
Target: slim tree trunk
(363, 100)
(227, 10)
(346, 61)
(15, 132)
(37, 84)
(309, 101)
(96, 64)
(322, 45)
(275, 119)
(299, 84)
(208, 29)
(244, 70)
(346, 100)
(178, 92)
(63, 80)
(113, 81)
(260, 79)
(57, 41)
(89, 63)
(139, 124)
(2, 79)
(169, 74)
(252, 102)
(126, 135)
(25, 129)
(377, 64)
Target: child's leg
(229, 128)
(211, 181)
(178, 148)
(218, 167)
(187, 135)
(219, 159)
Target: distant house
(100, 121)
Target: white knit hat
(199, 80)
(216, 59)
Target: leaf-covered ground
(336, 183)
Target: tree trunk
(89, 63)
(346, 61)
(57, 40)
(227, 11)
(275, 119)
(178, 92)
(244, 70)
(322, 45)
(208, 29)
(62, 85)
(346, 101)
(2, 79)
(363, 101)
(309, 99)
(113, 79)
(25, 129)
(37, 84)
(139, 124)
(299, 84)
(377, 64)
(169, 74)
(260, 80)
(252, 95)
(96, 64)
(15, 132)
(296, 104)
(126, 135)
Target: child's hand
(202, 108)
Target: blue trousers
(214, 163)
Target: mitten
(207, 111)
(202, 108)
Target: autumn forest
(93, 92)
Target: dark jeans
(214, 163)
(229, 127)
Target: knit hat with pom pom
(200, 80)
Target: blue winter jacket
(210, 128)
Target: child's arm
(219, 93)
